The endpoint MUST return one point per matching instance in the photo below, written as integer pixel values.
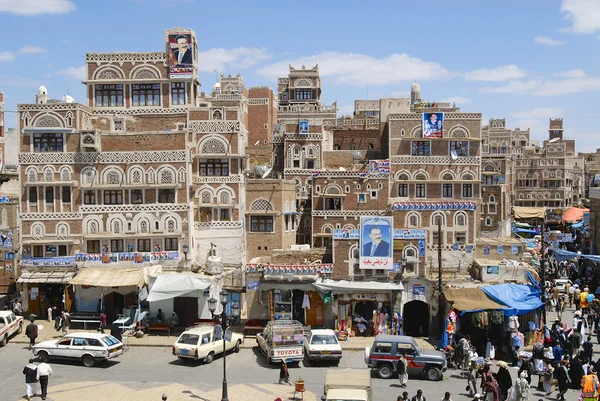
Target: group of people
(34, 374)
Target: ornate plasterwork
(51, 107)
(447, 116)
(467, 160)
(51, 216)
(126, 57)
(258, 101)
(145, 71)
(300, 137)
(139, 111)
(205, 126)
(218, 224)
(109, 73)
(158, 207)
(48, 120)
(347, 213)
(230, 179)
(166, 156)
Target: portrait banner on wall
(515, 249)
(493, 270)
(376, 242)
(181, 55)
(486, 249)
(303, 127)
(433, 125)
(500, 249)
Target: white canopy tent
(339, 286)
(169, 286)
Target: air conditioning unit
(90, 141)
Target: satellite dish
(453, 155)
(554, 140)
(342, 169)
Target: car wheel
(88, 361)
(385, 371)
(20, 330)
(43, 356)
(367, 354)
(3, 341)
(209, 358)
(237, 347)
(434, 374)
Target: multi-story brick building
(591, 174)
(501, 146)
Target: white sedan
(86, 347)
(322, 345)
(204, 342)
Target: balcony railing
(135, 257)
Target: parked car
(561, 283)
(89, 348)
(322, 345)
(204, 342)
(282, 340)
(386, 351)
(9, 326)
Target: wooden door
(314, 315)
(187, 310)
(69, 296)
(34, 304)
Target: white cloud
(583, 14)
(575, 73)
(36, 7)
(539, 112)
(456, 99)
(544, 40)
(226, 59)
(498, 74)
(361, 69)
(537, 127)
(514, 87)
(6, 56)
(12, 80)
(32, 50)
(78, 73)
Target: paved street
(144, 373)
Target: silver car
(86, 347)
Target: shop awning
(574, 214)
(53, 277)
(108, 277)
(470, 299)
(524, 212)
(326, 285)
(522, 225)
(169, 286)
(519, 298)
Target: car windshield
(323, 339)
(110, 340)
(189, 339)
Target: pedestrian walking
(503, 378)
(564, 380)
(284, 374)
(569, 290)
(589, 387)
(446, 397)
(576, 297)
(30, 372)
(523, 387)
(548, 378)
(472, 379)
(559, 306)
(419, 396)
(489, 385)
(102, 321)
(49, 314)
(402, 370)
(588, 349)
(65, 322)
(164, 397)
(31, 331)
(403, 397)
(465, 347)
(17, 308)
(43, 371)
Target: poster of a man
(303, 127)
(376, 243)
(182, 53)
(433, 125)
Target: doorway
(187, 310)
(113, 305)
(415, 319)
(314, 315)
(297, 311)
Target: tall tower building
(415, 93)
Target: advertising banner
(181, 57)
(433, 125)
(376, 242)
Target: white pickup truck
(282, 340)
(9, 325)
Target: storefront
(296, 300)
(42, 289)
(361, 308)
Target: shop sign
(435, 205)
(410, 234)
(586, 219)
(346, 234)
(291, 269)
(421, 246)
(136, 257)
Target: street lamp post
(235, 312)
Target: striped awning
(52, 277)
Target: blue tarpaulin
(519, 298)
(561, 254)
(525, 230)
(577, 225)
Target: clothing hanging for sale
(306, 302)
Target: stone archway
(415, 319)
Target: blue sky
(527, 61)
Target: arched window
(65, 174)
(403, 177)
(421, 177)
(261, 205)
(113, 178)
(31, 174)
(166, 176)
(62, 231)
(181, 175)
(337, 146)
(48, 174)
(92, 227)
(447, 177)
(488, 221)
(224, 197)
(492, 199)
(206, 197)
(144, 226)
(217, 115)
(214, 146)
(461, 219)
(413, 220)
(116, 226)
(37, 231)
(171, 225)
(151, 176)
